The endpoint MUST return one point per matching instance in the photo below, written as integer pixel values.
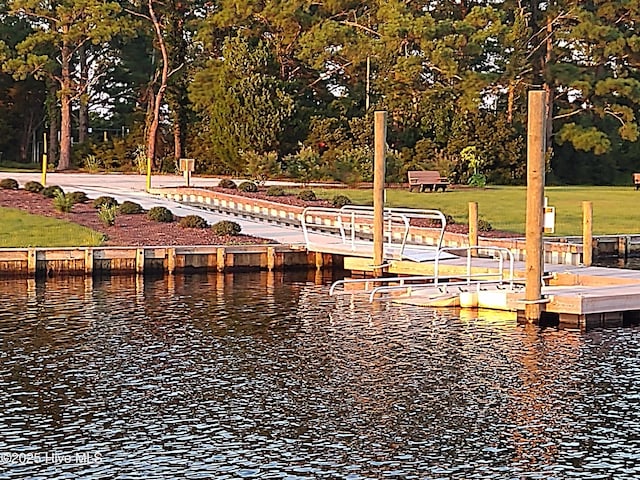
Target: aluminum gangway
(352, 227)
(501, 258)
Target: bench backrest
(425, 176)
(636, 178)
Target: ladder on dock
(498, 276)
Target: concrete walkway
(132, 187)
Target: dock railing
(354, 226)
(437, 282)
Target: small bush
(248, 187)
(107, 214)
(62, 202)
(275, 191)
(78, 197)
(9, 184)
(105, 200)
(193, 221)
(130, 208)
(307, 195)
(50, 191)
(160, 214)
(340, 201)
(226, 183)
(484, 226)
(226, 227)
(34, 187)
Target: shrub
(340, 201)
(8, 184)
(226, 183)
(226, 227)
(62, 202)
(307, 195)
(275, 191)
(160, 214)
(78, 197)
(34, 187)
(105, 200)
(107, 214)
(193, 221)
(91, 163)
(50, 191)
(130, 208)
(484, 225)
(248, 187)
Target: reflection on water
(265, 376)
(631, 263)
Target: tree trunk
(177, 138)
(152, 134)
(53, 114)
(83, 114)
(65, 110)
(548, 88)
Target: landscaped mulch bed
(129, 230)
(460, 228)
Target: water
(265, 376)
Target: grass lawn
(21, 229)
(616, 210)
(9, 167)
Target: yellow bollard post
(44, 162)
(148, 174)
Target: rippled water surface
(265, 376)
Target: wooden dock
(583, 297)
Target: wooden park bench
(636, 180)
(424, 179)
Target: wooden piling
(587, 233)
(535, 203)
(473, 224)
(171, 261)
(380, 133)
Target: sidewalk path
(132, 187)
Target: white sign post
(187, 165)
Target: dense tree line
(287, 87)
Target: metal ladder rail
(366, 281)
(500, 250)
(442, 287)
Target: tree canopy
(242, 84)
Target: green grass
(616, 210)
(21, 229)
(9, 167)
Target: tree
(243, 105)
(60, 30)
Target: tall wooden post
(587, 233)
(473, 225)
(380, 134)
(43, 179)
(535, 202)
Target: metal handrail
(442, 287)
(411, 213)
(499, 250)
(436, 280)
(347, 220)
